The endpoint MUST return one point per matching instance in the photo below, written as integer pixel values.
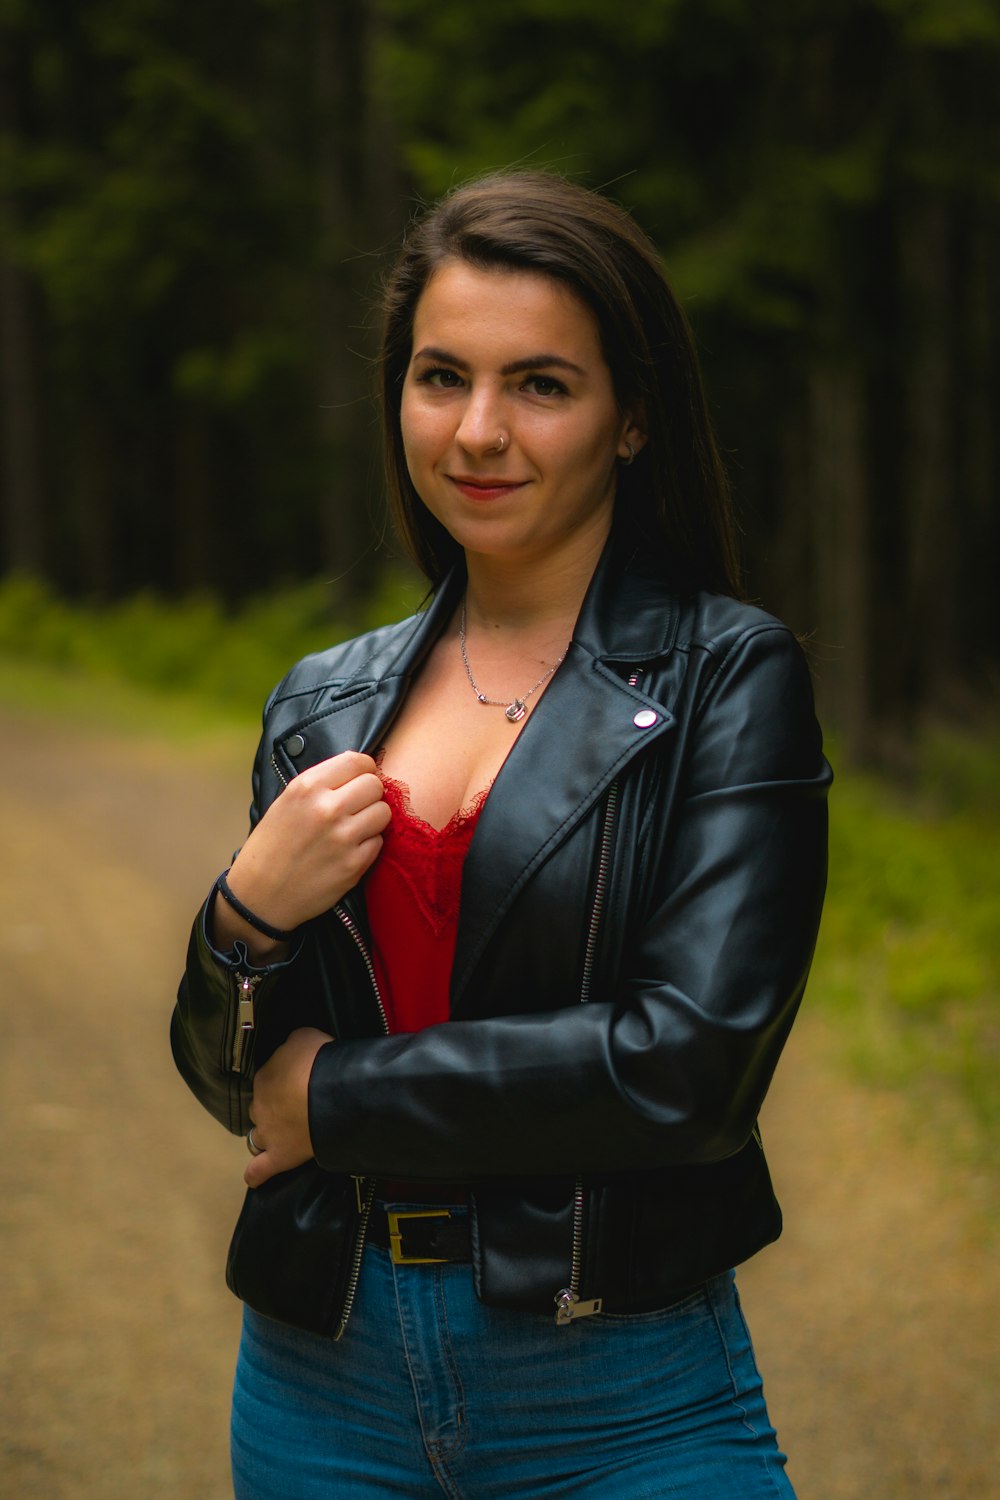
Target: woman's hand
(312, 845)
(280, 1108)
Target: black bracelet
(277, 933)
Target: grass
(189, 650)
(908, 964)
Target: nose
(481, 423)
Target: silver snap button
(295, 744)
(645, 718)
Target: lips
(485, 488)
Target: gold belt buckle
(396, 1238)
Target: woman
(497, 983)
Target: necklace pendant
(515, 711)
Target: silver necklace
(516, 709)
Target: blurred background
(196, 205)
(197, 202)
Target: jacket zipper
(354, 1274)
(568, 1303)
(364, 1189)
(246, 984)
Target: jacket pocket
(290, 1251)
(522, 1241)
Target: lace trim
(426, 859)
(400, 801)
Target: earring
(631, 454)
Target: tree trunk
(928, 469)
(20, 424)
(23, 538)
(839, 505)
(342, 96)
(977, 475)
(195, 563)
(92, 567)
(361, 209)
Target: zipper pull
(357, 1191)
(246, 984)
(569, 1307)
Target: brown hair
(675, 494)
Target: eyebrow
(515, 367)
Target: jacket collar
(629, 613)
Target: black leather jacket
(639, 908)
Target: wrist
(225, 928)
(247, 915)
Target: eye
(544, 385)
(440, 377)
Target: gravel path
(875, 1316)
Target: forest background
(196, 205)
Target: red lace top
(412, 893)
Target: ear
(632, 438)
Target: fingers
(314, 842)
(355, 796)
(269, 1163)
(339, 770)
(337, 817)
(279, 1137)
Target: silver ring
(631, 454)
(501, 442)
(252, 1145)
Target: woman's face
(512, 356)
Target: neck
(522, 598)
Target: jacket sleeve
(672, 1067)
(210, 1055)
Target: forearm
(589, 1088)
(206, 1018)
(226, 927)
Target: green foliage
(162, 199)
(193, 648)
(747, 138)
(909, 954)
(194, 200)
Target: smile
(485, 488)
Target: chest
(444, 744)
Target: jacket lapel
(583, 731)
(360, 709)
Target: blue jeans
(431, 1393)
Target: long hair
(675, 495)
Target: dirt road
(876, 1316)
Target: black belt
(421, 1236)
